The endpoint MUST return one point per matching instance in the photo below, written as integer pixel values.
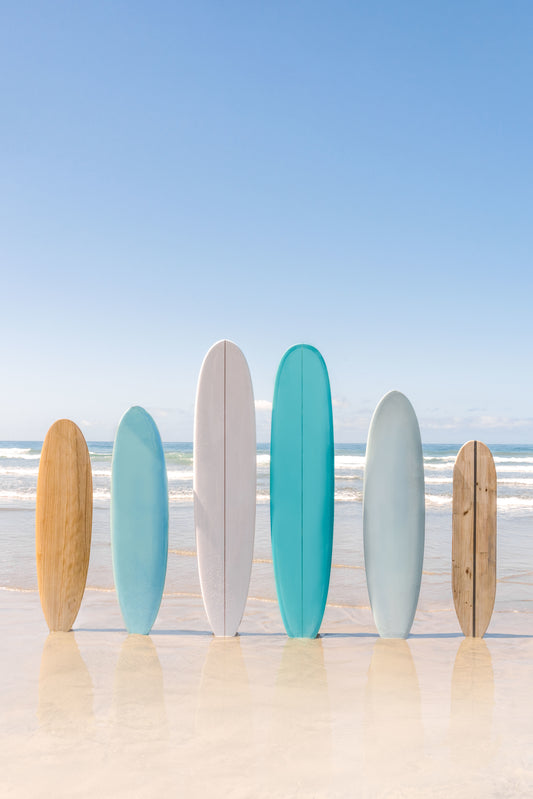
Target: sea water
(19, 465)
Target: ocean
(19, 464)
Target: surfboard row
(301, 507)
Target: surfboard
(302, 489)
(394, 515)
(63, 523)
(139, 519)
(224, 484)
(474, 537)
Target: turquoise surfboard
(302, 489)
(139, 519)
(394, 515)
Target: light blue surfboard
(139, 519)
(302, 489)
(394, 515)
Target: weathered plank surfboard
(224, 484)
(394, 515)
(63, 523)
(139, 519)
(302, 489)
(474, 537)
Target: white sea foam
(514, 503)
(263, 459)
(349, 462)
(439, 467)
(19, 471)
(438, 499)
(17, 453)
(348, 495)
(510, 459)
(177, 476)
(514, 470)
(439, 480)
(25, 496)
(516, 481)
(504, 503)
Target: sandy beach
(96, 712)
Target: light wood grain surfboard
(474, 537)
(224, 484)
(63, 523)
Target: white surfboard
(224, 484)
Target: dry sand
(97, 713)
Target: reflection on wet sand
(65, 688)
(472, 704)
(393, 732)
(138, 691)
(224, 706)
(299, 750)
(223, 722)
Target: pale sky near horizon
(357, 176)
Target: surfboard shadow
(65, 688)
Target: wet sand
(99, 713)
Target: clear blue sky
(353, 175)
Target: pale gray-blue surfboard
(394, 515)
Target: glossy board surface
(302, 489)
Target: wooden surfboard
(302, 489)
(474, 537)
(139, 519)
(224, 484)
(394, 515)
(63, 523)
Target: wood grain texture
(63, 523)
(474, 537)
